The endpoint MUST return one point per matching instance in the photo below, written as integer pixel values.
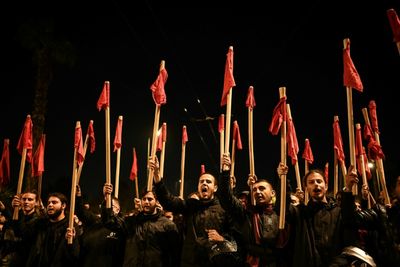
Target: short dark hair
(144, 192)
(60, 196)
(209, 173)
(312, 171)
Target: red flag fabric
(394, 24)
(134, 168)
(104, 100)
(229, 80)
(221, 123)
(367, 169)
(351, 78)
(326, 172)
(250, 101)
(157, 87)
(202, 169)
(184, 135)
(92, 139)
(278, 116)
(337, 141)
(118, 135)
(236, 135)
(373, 116)
(38, 158)
(293, 145)
(164, 132)
(159, 139)
(78, 145)
(26, 139)
(307, 153)
(374, 149)
(5, 164)
(360, 152)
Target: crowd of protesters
(214, 226)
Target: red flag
(78, 145)
(307, 153)
(373, 116)
(250, 101)
(326, 172)
(350, 74)
(202, 169)
(360, 152)
(293, 145)
(159, 139)
(92, 139)
(104, 99)
(374, 149)
(26, 139)
(38, 158)
(162, 136)
(278, 116)
(394, 24)
(337, 141)
(229, 80)
(184, 135)
(5, 164)
(134, 168)
(157, 87)
(236, 135)
(221, 123)
(118, 135)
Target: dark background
(276, 43)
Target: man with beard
(49, 247)
(206, 222)
(103, 240)
(153, 239)
(27, 204)
(258, 223)
(318, 228)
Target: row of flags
(351, 79)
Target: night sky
(277, 43)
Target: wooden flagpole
(181, 189)
(73, 189)
(282, 94)
(117, 166)
(162, 158)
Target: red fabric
(221, 123)
(326, 172)
(5, 164)
(278, 116)
(337, 142)
(159, 140)
(26, 139)
(184, 135)
(394, 24)
(250, 101)
(134, 168)
(118, 136)
(360, 152)
(38, 158)
(92, 139)
(351, 77)
(78, 145)
(229, 80)
(374, 149)
(202, 169)
(157, 88)
(373, 116)
(307, 153)
(104, 100)
(236, 135)
(367, 169)
(293, 145)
